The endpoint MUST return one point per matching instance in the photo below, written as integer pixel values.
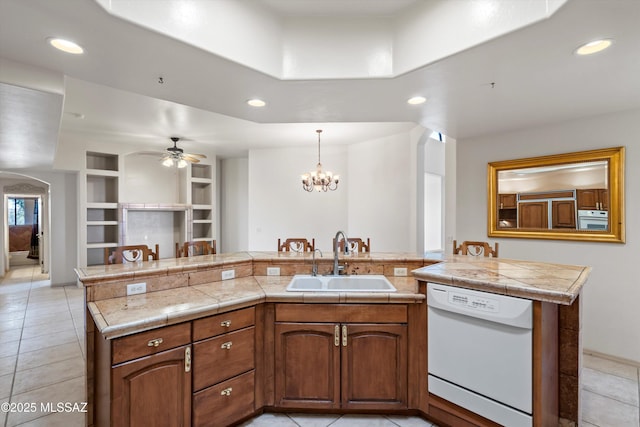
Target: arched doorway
(25, 230)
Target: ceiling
(112, 93)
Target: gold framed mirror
(571, 196)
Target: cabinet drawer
(223, 357)
(223, 323)
(225, 403)
(150, 342)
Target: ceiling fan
(175, 156)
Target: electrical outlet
(228, 274)
(400, 271)
(137, 288)
(273, 271)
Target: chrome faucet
(314, 268)
(336, 245)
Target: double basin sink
(367, 283)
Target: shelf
(202, 231)
(101, 223)
(200, 171)
(201, 193)
(102, 245)
(100, 172)
(202, 221)
(102, 161)
(102, 189)
(202, 180)
(102, 205)
(202, 207)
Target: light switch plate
(273, 271)
(228, 274)
(137, 288)
(400, 271)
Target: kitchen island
(189, 302)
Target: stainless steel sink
(372, 283)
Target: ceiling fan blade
(190, 158)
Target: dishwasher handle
(511, 311)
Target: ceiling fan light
(168, 162)
(182, 163)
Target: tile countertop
(101, 273)
(556, 283)
(121, 316)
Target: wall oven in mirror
(570, 196)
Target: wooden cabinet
(507, 201)
(533, 215)
(593, 199)
(224, 368)
(146, 380)
(563, 214)
(342, 364)
(153, 391)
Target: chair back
(356, 244)
(199, 247)
(130, 253)
(296, 245)
(475, 249)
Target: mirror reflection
(576, 196)
(572, 196)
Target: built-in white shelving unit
(201, 183)
(104, 199)
(101, 186)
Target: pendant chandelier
(318, 179)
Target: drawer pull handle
(226, 392)
(344, 335)
(227, 345)
(187, 359)
(155, 343)
(336, 336)
(225, 324)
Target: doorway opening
(25, 228)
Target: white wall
(382, 192)
(280, 208)
(610, 297)
(234, 205)
(376, 197)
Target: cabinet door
(307, 362)
(507, 201)
(563, 214)
(603, 197)
(152, 391)
(533, 215)
(588, 199)
(374, 366)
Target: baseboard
(612, 358)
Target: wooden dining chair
(196, 248)
(130, 253)
(356, 244)
(475, 249)
(296, 245)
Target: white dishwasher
(480, 352)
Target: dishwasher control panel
(474, 302)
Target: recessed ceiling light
(65, 45)
(593, 47)
(416, 100)
(256, 102)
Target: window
(432, 212)
(16, 211)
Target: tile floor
(42, 360)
